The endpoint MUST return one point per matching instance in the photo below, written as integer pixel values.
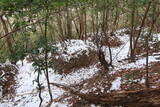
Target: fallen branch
(139, 97)
(56, 100)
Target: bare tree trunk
(69, 23)
(59, 21)
(76, 27)
(39, 88)
(102, 60)
(85, 23)
(75, 24)
(104, 28)
(8, 38)
(80, 15)
(81, 22)
(154, 17)
(46, 54)
(132, 32)
(147, 76)
(141, 27)
(114, 26)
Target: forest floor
(91, 79)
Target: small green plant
(128, 76)
(38, 65)
(41, 63)
(19, 54)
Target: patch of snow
(75, 77)
(27, 93)
(142, 81)
(153, 86)
(73, 48)
(156, 37)
(26, 76)
(84, 91)
(2, 74)
(93, 105)
(0, 91)
(121, 30)
(138, 64)
(102, 89)
(122, 52)
(116, 84)
(118, 53)
(59, 105)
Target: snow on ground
(156, 36)
(138, 64)
(26, 91)
(75, 77)
(27, 94)
(116, 84)
(73, 48)
(118, 53)
(122, 52)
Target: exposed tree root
(145, 97)
(56, 100)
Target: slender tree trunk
(132, 32)
(154, 17)
(102, 60)
(61, 32)
(147, 76)
(104, 28)
(69, 23)
(46, 55)
(141, 27)
(39, 88)
(76, 27)
(85, 23)
(93, 24)
(8, 37)
(81, 22)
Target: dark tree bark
(154, 19)
(69, 23)
(102, 60)
(46, 53)
(39, 88)
(132, 32)
(141, 27)
(8, 38)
